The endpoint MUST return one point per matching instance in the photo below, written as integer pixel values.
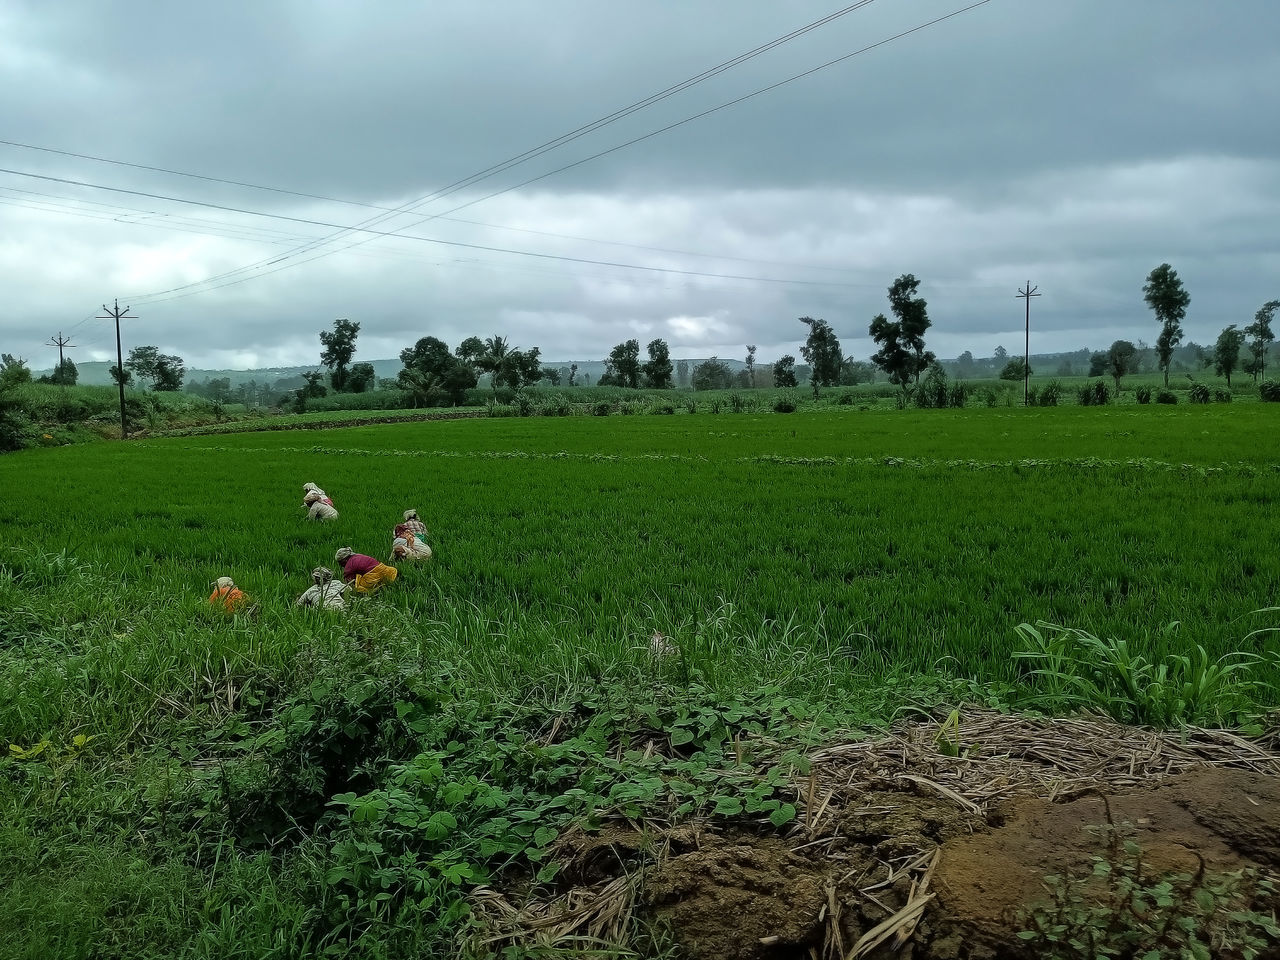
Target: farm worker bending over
(324, 592)
(408, 545)
(318, 506)
(413, 525)
(414, 533)
(364, 571)
(225, 592)
(410, 549)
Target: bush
(1168, 396)
(846, 399)
(662, 408)
(602, 409)
(931, 393)
(1199, 393)
(783, 405)
(555, 406)
(1270, 391)
(1095, 394)
(1221, 395)
(1050, 394)
(524, 404)
(1143, 394)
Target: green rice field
(812, 571)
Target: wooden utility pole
(115, 314)
(1025, 294)
(60, 341)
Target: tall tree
(339, 347)
(751, 364)
(573, 374)
(622, 366)
(169, 371)
(713, 374)
(519, 368)
(1226, 352)
(1122, 358)
(1166, 297)
(657, 370)
(163, 371)
(913, 320)
(470, 351)
(1260, 334)
(682, 372)
(493, 357)
(822, 352)
(893, 357)
(142, 362)
(784, 371)
(361, 377)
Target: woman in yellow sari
(365, 572)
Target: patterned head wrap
(343, 553)
(411, 515)
(321, 575)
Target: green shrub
(557, 405)
(1221, 395)
(1168, 396)
(1142, 394)
(1199, 393)
(1095, 394)
(602, 409)
(662, 408)
(783, 405)
(1050, 394)
(1270, 391)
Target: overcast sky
(1073, 144)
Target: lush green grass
(810, 571)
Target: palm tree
(496, 351)
(425, 388)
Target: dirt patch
(740, 896)
(908, 847)
(987, 885)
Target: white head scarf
(411, 515)
(343, 553)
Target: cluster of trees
(432, 373)
(624, 369)
(161, 371)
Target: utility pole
(115, 314)
(1025, 294)
(60, 341)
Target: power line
(498, 167)
(278, 236)
(153, 298)
(281, 262)
(532, 152)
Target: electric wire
(529, 154)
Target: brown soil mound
(915, 845)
